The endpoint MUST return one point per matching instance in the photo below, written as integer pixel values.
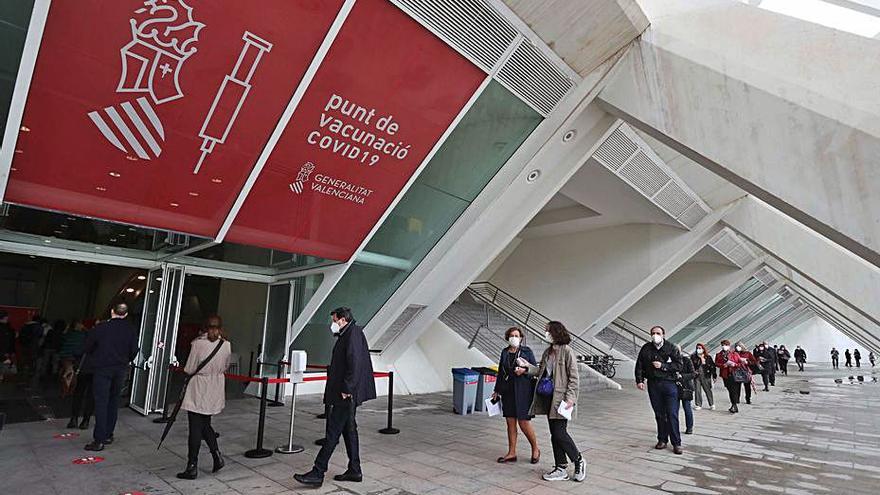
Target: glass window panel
(14, 19)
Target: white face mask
(725, 348)
(335, 328)
(657, 338)
(514, 341)
(760, 348)
(739, 349)
(547, 336)
(699, 350)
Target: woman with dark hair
(557, 392)
(706, 375)
(728, 361)
(516, 390)
(205, 394)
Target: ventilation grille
(615, 150)
(629, 157)
(534, 78)
(470, 26)
(732, 247)
(483, 35)
(400, 324)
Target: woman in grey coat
(205, 395)
(559, 364)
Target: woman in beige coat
(560, 365)
(205, 395)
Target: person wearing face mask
(516, 389)
(800, 357)
(766, 357)
(350, 383)
(729, 362)
(660, 364)
(706, 376)
(752, 366)
(782, 355)
(686, 390)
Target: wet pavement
(816, 432)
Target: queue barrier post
(259, 452)
(277, 401)
(390, 429)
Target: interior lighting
(19, 151)
(131, 158)
(129, 290)
(25, 128)
(47, 241)
(142, 277)
(102, 189)
(112, 239)
(115, 174)
(216, 180)
(175, 205)
(194, 194)
(57, 232)
(13, 169)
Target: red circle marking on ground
(65, 435)
(89, 459)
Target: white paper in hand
(565, 411)
(493, 409)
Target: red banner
(385, 94)
(154, 113)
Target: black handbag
(685, 393)
(741, 375)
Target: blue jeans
(688, 414)
(665, 402)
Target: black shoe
(84, 424)
(94, 446)
(766, 389)
(312, 478)
(72, 423)
(677, 449)
(748, 401)
(660, 445)
(190, 473)
(349, 476)
(218, 461)
(109, 440)
(689, 431)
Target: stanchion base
(160, 420)
(389, 431)
(289, 449)
(320, 441)
(258, 453)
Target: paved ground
(825, 442)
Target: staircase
(483, 312)
(624, 337)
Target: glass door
(157, 339)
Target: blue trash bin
(464, 390)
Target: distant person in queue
(752, 367)
(7, 346)
(110, 347)
(858, 357)
(835, 358)
(660, 364)
(516, 389)
(205, 394)
(800, 357)
(733, 372)
(766, 357)
(782, 357)
(706, 376)
(350, 383)
(871, 358)
(82, 404)
(557, 390)
(685, 385)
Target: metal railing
(530, 319)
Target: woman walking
(516, 390)
(557, 390)
(730, 363)
(205, 394)
(706, 375)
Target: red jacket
(721, 360)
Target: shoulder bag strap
(209, 358)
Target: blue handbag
(545, 386)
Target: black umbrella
(169, 422)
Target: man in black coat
(766, 357)
(350, 383)
(660, 363)
(109, 349)
(800, 357)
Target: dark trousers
(562, 443)
(801, 365)
(835, 362)
(858, 363)
(783, 367)
(106, 386)
(766, 377)
(200, 429)
(734, 390)
(83, 398)
(665, 402)
(772, 377)
(340, 422)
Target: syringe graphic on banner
(231, 95)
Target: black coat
(351, 369)
(709, 370)
(110, 346)
(800, 355)
(669, 357)
(769, 355)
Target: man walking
(660, 364)
(349, 383)
(783, 356)
(766, 357)
(109, 347)
(800, 357)
(848, 357)
(858, 357)
(835, 358)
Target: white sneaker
(580, 470)
(712, 407)
(558, 474)
(697, 408)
